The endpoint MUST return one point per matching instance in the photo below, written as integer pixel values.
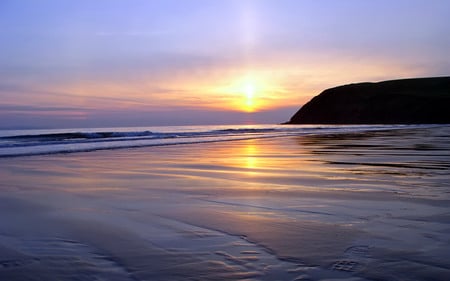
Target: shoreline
(283, 208)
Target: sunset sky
(78, 63)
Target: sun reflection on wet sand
(250, 156)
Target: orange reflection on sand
(252, 161)
(256, 164)
(249, 153)
(241, 157)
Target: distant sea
(15, 143)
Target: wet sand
(367, 206)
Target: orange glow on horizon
(250, 93)
(261, 87)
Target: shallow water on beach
(371, 205)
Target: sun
(249, 91)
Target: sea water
(50, 141)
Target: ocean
(35, 142)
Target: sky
(110, 63)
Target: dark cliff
(406, 101)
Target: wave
(111, 135)
(75, 136)
(33, 142)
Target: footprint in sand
(355, 257)
(345, 265)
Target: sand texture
(365, 206)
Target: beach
(368, 205)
